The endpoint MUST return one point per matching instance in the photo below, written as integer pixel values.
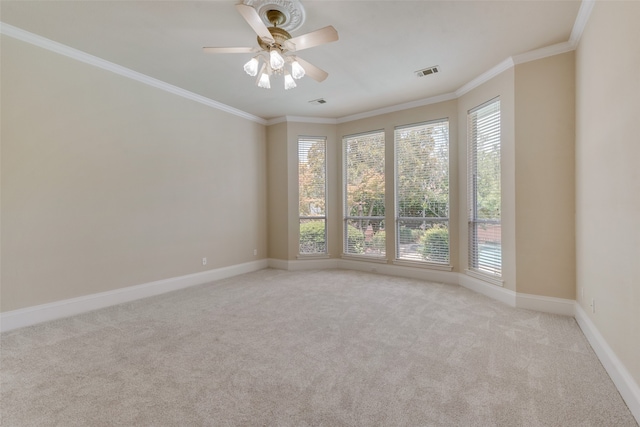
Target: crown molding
(485, 77)
(36, 40)
(301, 119)
(318, 120)
(399, 107)
(533, 55)
(581, 21)
(277, 120)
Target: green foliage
(487, 183)
(312, 237)
(417, 234)
(435, 245)
(355, 240)
(406, 235)
(311, 180)
(312, 231)
(379, 241)
(365, 157)
(423, 171)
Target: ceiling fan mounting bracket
(291, 10)
(276, 18)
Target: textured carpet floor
(332, 348)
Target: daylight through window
(485, 232)
(364, 209)
(312, 183)
(422, 192)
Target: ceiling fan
(276, 51)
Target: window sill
(494, 280)
(313, 256)
(425, 265)
(378, 259)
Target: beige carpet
(318, 348)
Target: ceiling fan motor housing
(279, 35)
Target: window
(485, 244)
(363, 159)
(422, 192)
(312, 183)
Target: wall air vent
(427, 71)
(318, 101)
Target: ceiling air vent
(427, 71)
(318, 101)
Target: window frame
(301, 218)
(345, 196)
(474, 266)
(398, 219)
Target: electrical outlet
(204, 261)
(593, 305)
(255, 252)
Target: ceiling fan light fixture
(276, 44)
(275, 60)
(264, 81)
(251, 67)
(289, 83)
(296, 70)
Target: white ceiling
(372, 66)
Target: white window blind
(485, 237)
(312, 195)
(364, 180)
(422, 192)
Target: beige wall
(545, 176)
(278, 191)
(501, 86)
(140, 175)
(283, 187)
(608, 176)
(108, 183)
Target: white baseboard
(561, 306)
(399, 270)
(496, 292)
(56, 310)
(626, 385)
(565, 307)
(372, 267)
(628, 388)
(279, 264)
(304, 264)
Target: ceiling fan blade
(312, 71)
(315, 38)
(230, 49)
(253, 19)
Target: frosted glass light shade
(296, 70)
(276, 60)
(288, 82)
(251, 67)
(264, 81)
